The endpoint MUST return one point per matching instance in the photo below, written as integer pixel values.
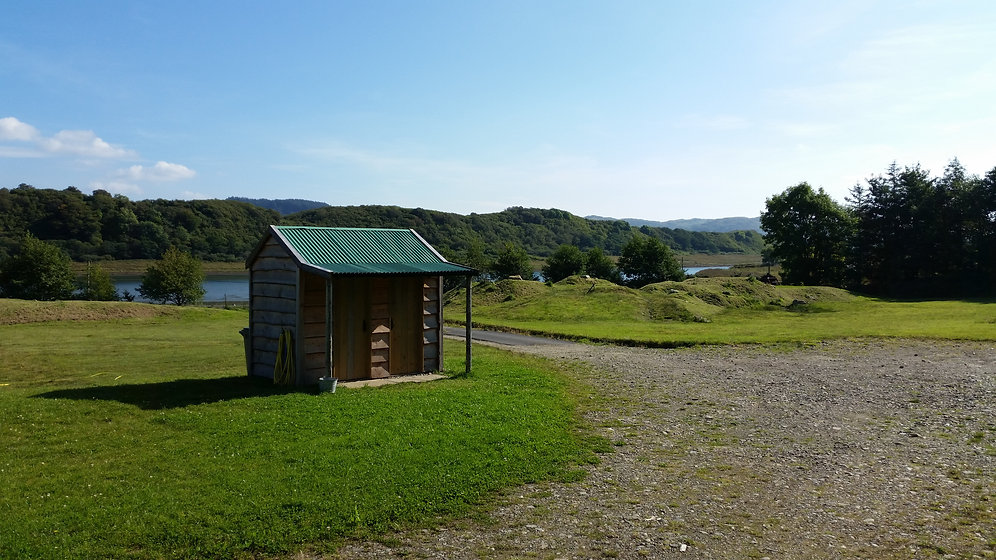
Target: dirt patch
(13, 312)
(840, 450)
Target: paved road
(508, 339)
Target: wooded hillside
(539, 231)
(103, 226)
(282, 205)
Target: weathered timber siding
(432, 324)
(272, 304)
(313, 336)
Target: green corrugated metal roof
(365, 251)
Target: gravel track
(867, 449)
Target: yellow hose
(283, 369)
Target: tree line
(904, 233)
(99, 226)
(644, 260)
(539, 232)
(43, 272)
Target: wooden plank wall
(313, 334)
(432, 323)
(272, 304)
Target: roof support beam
(468, 284)
(329, 317)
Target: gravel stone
(850, 449)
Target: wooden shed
(349, 303)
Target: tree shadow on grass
(176, 394)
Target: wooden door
(351, 328)
(406, 330)
(380, 329)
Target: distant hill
(696, 224)
(100, 226)
(283, 205)
(538, 231)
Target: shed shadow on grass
(176, 394)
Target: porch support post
(468, 285)
(329, 317)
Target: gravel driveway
(839, 450)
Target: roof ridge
(345, 228)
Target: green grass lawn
(143, 438)
(716, 311)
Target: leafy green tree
(474, 256)
(809, 234)
(512, 260)
(647, 260)
(947, 216)
(919, 235)
(40, 271)
(566, 261)
(906, 235)
(97, 285)
(597, 264)
(980, 250)
(176, 278)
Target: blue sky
(647, 109)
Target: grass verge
(143, 438)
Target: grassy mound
(506, 290)
(571, 300)
(702, 298)
(581, 299)
(15, 312)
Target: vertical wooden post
(329, 314)
(298, 322)
(439, 323)
(251, 347)
(468, 284)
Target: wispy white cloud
(918, 49)
(551, 178)
(20, 152)
(13, 129)
(83, 143)
(20, 140)
(128, 181)
(191, 195)
(162, 171)
(834, 96)
(384, 162)
(29, 142)
(905, 69)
